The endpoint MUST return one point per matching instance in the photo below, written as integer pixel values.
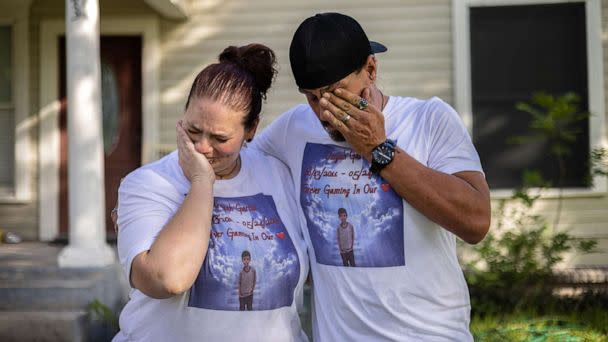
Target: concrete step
(33, 288)
(25, 326)
(41, 302)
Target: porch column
(87, 237)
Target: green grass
(590, 325)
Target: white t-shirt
(407, 284)
(255, 212)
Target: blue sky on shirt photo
(336, 177)
(249, 223)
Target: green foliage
(103, 313)
(513, 266)
(589, 325)
(553, 120)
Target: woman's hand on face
(195, 165)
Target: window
(7, 114)
(514, 52)
(504, 51)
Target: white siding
(417, 34)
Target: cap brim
(377, 47)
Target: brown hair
(240, 80)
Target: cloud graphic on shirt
(224, 268)
(378, 216)
(320, 217)
(275, 258)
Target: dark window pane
(5, 64)
(516, 51)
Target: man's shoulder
(424, 112)
(267, 161)
(299, 111)
(413, 104)
(299, 108)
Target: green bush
(512, 269)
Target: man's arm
(459, 202)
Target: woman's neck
(232, 171)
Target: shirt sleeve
(273, 139)
(146, 202)
(450, 147)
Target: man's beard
(334, 134)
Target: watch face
(383, 154)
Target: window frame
(23, 162)
(595, 83)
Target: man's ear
(371, 67)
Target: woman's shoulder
(157, 175)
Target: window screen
(7, 114)
(516, 51)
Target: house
(481, 56)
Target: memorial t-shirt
(407, 284)
(254, 212)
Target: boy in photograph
(246, 283)
(346, 239)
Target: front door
(121, 108)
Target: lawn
(589, 325)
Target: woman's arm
(173, 262)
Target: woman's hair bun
(257, 59)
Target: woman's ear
(249, 133)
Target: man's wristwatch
(382, 155)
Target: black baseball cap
(328, 47)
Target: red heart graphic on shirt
(280, 235)
(385, 187)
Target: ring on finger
(362, 103)
(345, 118)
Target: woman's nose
(203, 146)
